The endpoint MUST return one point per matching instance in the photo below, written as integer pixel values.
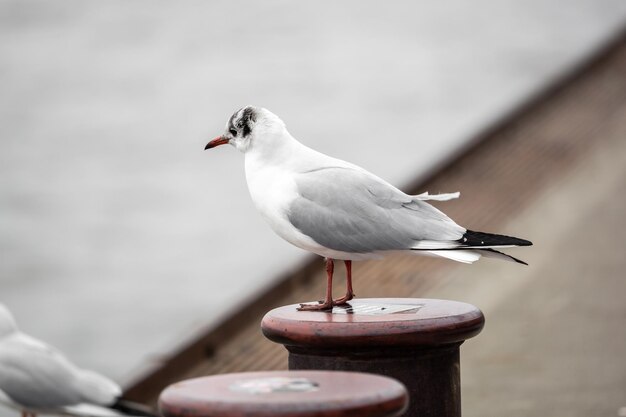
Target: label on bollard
(367, 309)
(275, 384)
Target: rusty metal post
(285, 394)
(415, 341)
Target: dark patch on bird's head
(242, 120)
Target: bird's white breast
(272, 189)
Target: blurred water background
(120, 237)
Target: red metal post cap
(285, 394)
(370, 322)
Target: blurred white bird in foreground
(340, 211)
(36, 378)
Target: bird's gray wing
(350, 210)
(36, 375)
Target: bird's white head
(7, 322)
(249, 128)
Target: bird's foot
(320, 306)
(343, 300)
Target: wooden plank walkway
(500, 179)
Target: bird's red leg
(327, 304)
(349, 293)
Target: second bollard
(415, 341)
(285, 394)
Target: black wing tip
(477, 239)
(523, 242)
(133, 409)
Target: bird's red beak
(220, 140)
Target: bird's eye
(233, 132)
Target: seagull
(339, 210)
(37, 378)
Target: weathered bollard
(285, 394)
(415, 341)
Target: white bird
(37, 378)
(341, 211)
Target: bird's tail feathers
(130, 408)
(465, 256)
(89, 410)
(469, 256)
(121, 408)
(492, 253)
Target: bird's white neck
(277, 149)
